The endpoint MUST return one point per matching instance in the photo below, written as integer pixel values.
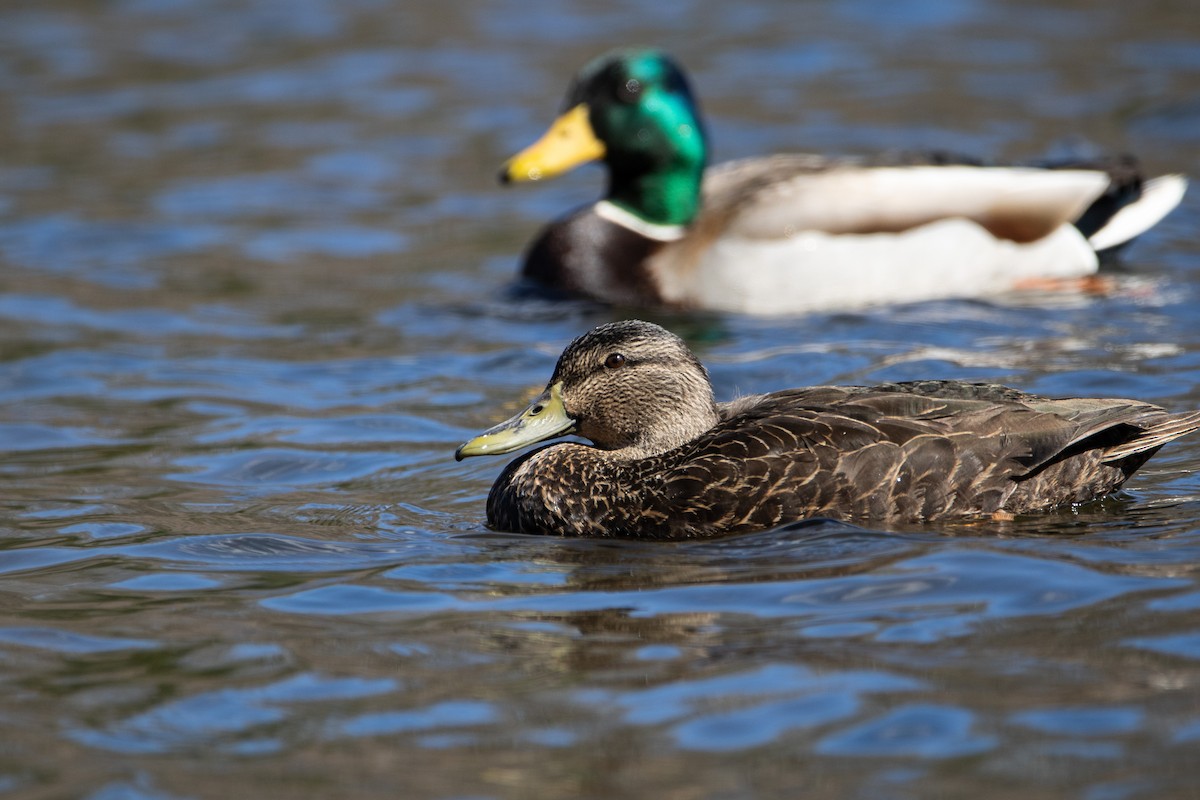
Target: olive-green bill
(545, 418)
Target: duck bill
(569, 143)
(545, 418)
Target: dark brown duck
(669, 462)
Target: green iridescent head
(634, 110)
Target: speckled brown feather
(787, 459)
(897, 452)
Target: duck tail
(1154, 437)
(1157, 198)
(1131, 205)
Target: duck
(666, 461)
(796, 233)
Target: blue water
(254, 290)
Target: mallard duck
(668, 462)
(794, 233)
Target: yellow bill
(569, 143)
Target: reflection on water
(255, 288)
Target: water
(253, 271)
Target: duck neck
(678, 433)
(665, 195)
(672, 427)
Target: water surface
(254, 275)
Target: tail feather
(1155, 437)
(1158, 197)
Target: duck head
(630, 387)
(634, 110)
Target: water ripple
(224, 718)
(918, 730)
(257, 282)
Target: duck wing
(892, 453)
(780, 196)
(1050, 428)
(792, 234)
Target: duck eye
(628, 91)
(615, 360)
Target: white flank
(817, 271)
(1159, 196)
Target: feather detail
(905, 452)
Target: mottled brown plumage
(670, 463)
